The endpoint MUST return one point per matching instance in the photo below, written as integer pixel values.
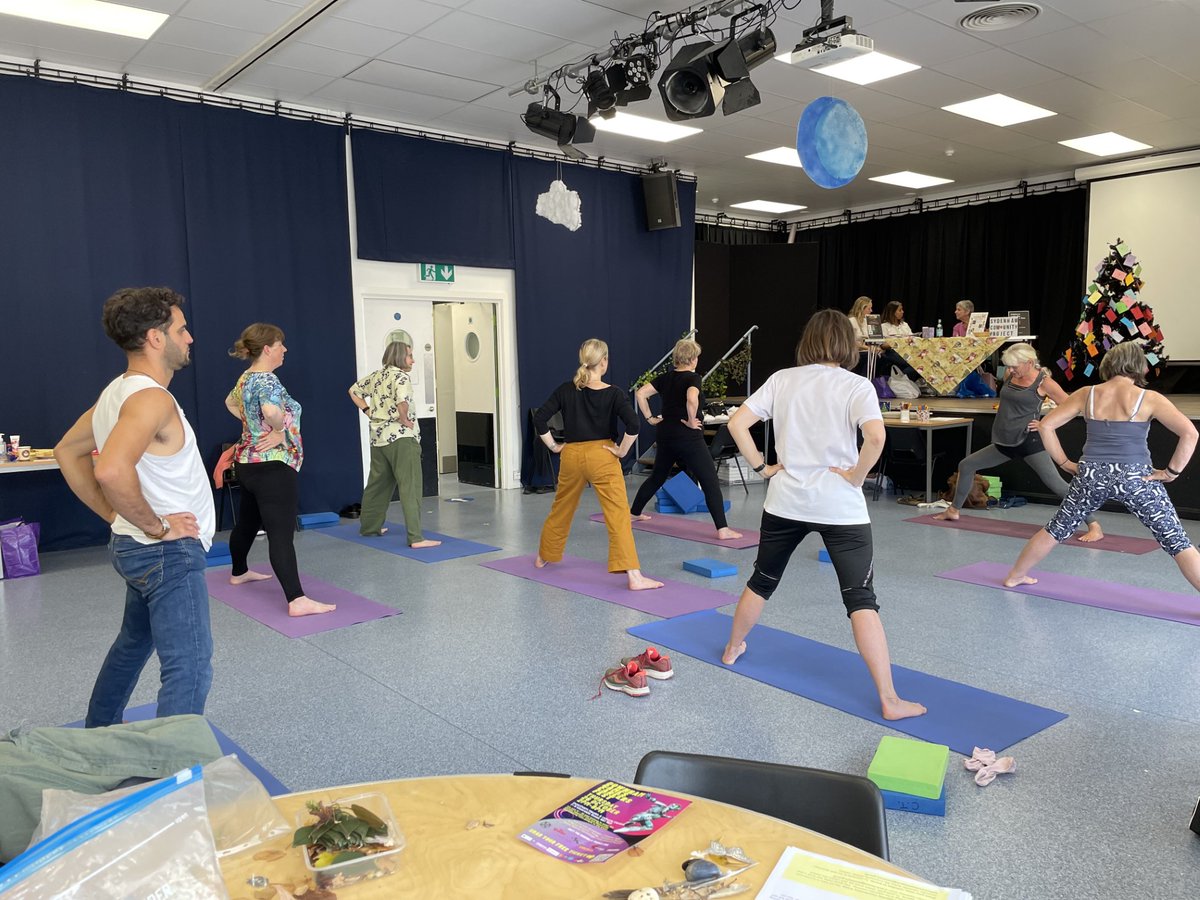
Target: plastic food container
(353, 871)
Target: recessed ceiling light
(911, 180)
(867, 69)
(998, 109)
(767, 206)
(112, 18)
(784, 156)
(1108, 144)
(642, 127)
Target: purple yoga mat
(592, 579)
(263, 601)
(699, 529)
(1126, 598)
(1118, 543)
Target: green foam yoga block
(993, 485)
(909, 767)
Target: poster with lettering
(602, 821)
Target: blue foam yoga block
(709, 568)
(317, 520)
(665, 504)
(823, 555)
(684, 491)
(218, 555)
(913, 803)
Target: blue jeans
(166, 610)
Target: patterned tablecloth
(945, 361)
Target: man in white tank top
(148, 482)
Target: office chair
(723, 448)
(848, 808)
(903, 452)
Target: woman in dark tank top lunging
(1115, 463)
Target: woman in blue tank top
(1115, 463)
(1015, 433)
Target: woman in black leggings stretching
(680, 437)
(267, 463)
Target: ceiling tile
(462, 29)
(194, 35)
(169, 76)
(920, 40)
(181, 59)
(310, 58)
(404, 106)
(1143, 81)
(349, 37)
(998, 71)
(419, 81)
(25, 53)
(48, 40)
(263, 16)
(925, 86)
(408, 16)
(280, 83)
(1074, 50)
(1091, 10)
(421, 53)
(575, 20)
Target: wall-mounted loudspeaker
(662, 200)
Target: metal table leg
(928, 465)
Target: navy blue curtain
(418, 200)
(105, 189)
(612, 279)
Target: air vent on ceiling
(1000, 17)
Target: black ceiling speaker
(662, 200)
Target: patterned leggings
(1098, 482)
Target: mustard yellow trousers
(581, 464)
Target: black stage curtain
(727, 234)
(1025, 253)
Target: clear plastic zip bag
(155, 842)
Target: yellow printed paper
(800, 875)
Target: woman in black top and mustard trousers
(590, 455)
(680, 436)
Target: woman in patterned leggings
(1115, 463)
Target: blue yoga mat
(960, 716)
(273, 785)
(396, 541)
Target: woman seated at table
(962, 312)
(858, 321)
(895, 326)
(1015, 432)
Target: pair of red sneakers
(630, 676)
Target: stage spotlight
(563, 128)
(703, 74)
(600, 87)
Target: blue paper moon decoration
(832, 142)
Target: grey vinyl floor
(484, 672)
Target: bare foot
(382, 532)
(728, 534)
(642, 518)
(306, 606)
(1018, 580)
(248, 575)
(421, 545)
(1094, 533)
(901, 709)
(639, 582)
(540, 563)
(950, 514)
(729, 657)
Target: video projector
(824, 46)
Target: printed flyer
(601, 822)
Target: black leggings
(269, 501)
(693, 455)
(849, 548)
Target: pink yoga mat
(699, 529)
(1126, 598)
(263, 601)
(592, 579)
(1118, 543)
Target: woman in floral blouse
(395, 444)
(267, 462)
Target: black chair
(545, 469)
(723, 448)
(903, 454)
(848, 808)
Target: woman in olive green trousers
(395, 444)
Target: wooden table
(929, 427)
(446, 859)
(32, 465)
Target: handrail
(662, 359)
(744, 339)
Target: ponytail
(592, 352)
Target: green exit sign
(443, 272)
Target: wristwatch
(166, 526)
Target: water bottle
(937, 332)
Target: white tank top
(170, 484)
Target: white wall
(1158, 215)
(401, 281)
